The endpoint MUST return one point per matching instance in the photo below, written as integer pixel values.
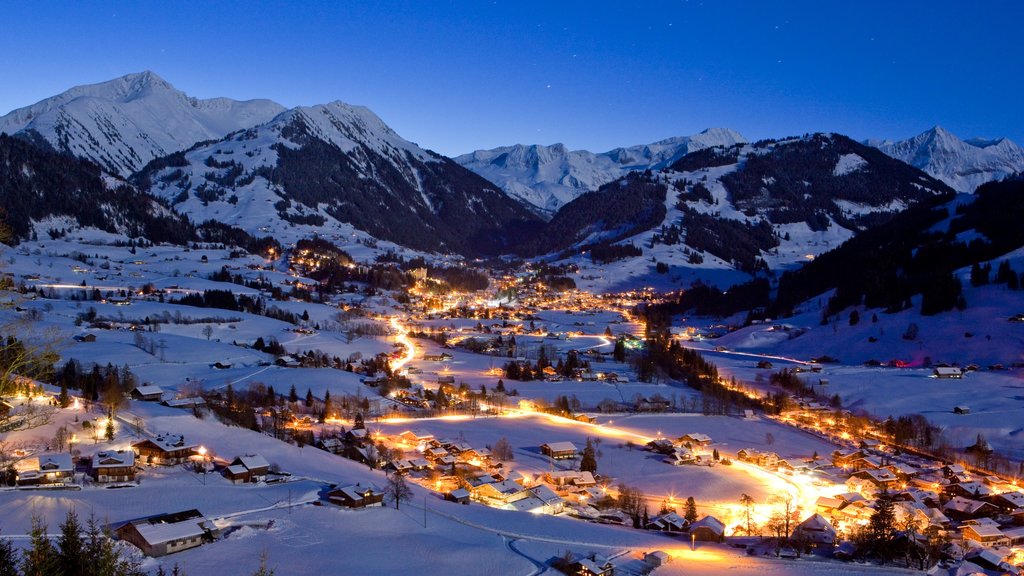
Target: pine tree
(309, 398)
(293, 396)
(70, 548)
(8, 559)
(64, 399)
(691, 510)
(40, 558)
(619, 353)
(588, 463)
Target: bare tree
(747, 501)
(397, 490)
(208, 331)
(631, 501)
(502, 450)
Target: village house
(500, 493)
(668, 522)
(657, 558)
(168, 533)
(593, 565)
(871, 481)
(460, 495)
(164, 450)
(816, 530)
(973, 490)
(559, 450)
(961, 509)
(708, 529)
(357, 496)
(332, 445)
(45, 470)
(985, 534)
(147, 393)
(114, 466)
(247, 468)
(1007, 501)
(695, 439)
(947, 372)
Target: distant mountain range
(548, 177)
(339, 171)
(963, 164)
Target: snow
(124, 123)
(848, 164)
(548, 177)
(964, 165)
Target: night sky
(458, 76)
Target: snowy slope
(963, 164)
(549, 177)
(782, 202)
(335, 170)
(124, 123)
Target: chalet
(168, 533)
(416, 437)
(460, 495)
(866, 481)
(682, 457)
(961, 410)
(247, 468)
(164, 450)
(950, 470)
(190, 402)
(114, 466)
(947, 372)
(695, 439)
(443, 380)
(551, 503)
(571, 477)
(708, 529)
(357, 436)
(1007, 501)
(357, 496)
(147, 393)
(593, 565)
(86, 337)
(973, 490)
(961, 509)
(499, 493)
(829, 505)
(46, 470)
(985, 534)
(669, 522)
(559, 450)
(654, 404)
(332, 445)
(657, 558)
(816, 530)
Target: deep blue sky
(457, 76)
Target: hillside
(750, 208)
(124, 123)
(43, 192)
(337, 169)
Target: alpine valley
(292, 332)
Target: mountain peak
(964, 165)
(123, 123)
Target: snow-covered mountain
(336, 170)
(124, 123)
(963, 164)
(548, 177)
(721, 214)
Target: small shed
(961, 409)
